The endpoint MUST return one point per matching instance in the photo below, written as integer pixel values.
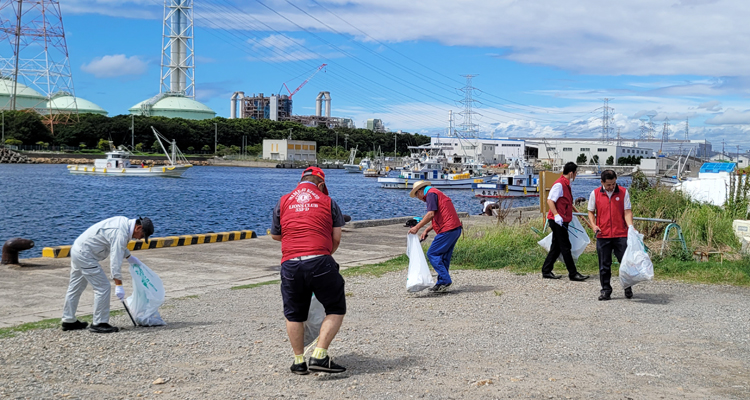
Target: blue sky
(543, 67)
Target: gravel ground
(496, 335)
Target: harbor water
(47, 204)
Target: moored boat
(117, 163)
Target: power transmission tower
(619, 139)
(665, 131)
(687, 129)
(468, 127)
(34, 30)
(651, 131)
(177, 58)
(644, 130)
(607, 119)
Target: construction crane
(303, 83)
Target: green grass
(254, 285)
(192, 296)
(377, 270)
(52, 323)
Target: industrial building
(176, 98)
(278, 107)
(492, 150)
(65, 103)
(645, 148)
(375, 125)
(557, 153)
(292, 150)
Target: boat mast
(171, 161)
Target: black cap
(148, 227)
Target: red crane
(303, 83)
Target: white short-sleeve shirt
(592, 199)
(555, 192)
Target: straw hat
(418, 185)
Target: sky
(540, 68)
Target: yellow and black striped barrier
(161, 242)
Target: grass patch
(399, 263)
(192, 296)
(255, 285)
(47, 324)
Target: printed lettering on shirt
(303, 197)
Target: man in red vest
(445, 222)
(611, 205)
(560, 203)
(308, 224)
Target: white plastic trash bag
(636, 266)
(579, 239)
(147, 297)
(419, 277)
(315, 318)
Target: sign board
(546, 180)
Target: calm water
(47, 204)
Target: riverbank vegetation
(23, 128)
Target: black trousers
(560, 245)
(604, 249)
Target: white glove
(558, 219)
(134, 260)
(120, 292)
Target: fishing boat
(430, 165)
(117, 163)
(522, 182)
(377, 166)
(356, 168)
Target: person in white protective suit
(108, 238)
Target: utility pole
(132, 131)
(395, 147)
(722, 148)
(216, 137)
(290, 134)
(346, 141)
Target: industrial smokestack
(241, 97)
(319, 105)
(328, 103)
(233, 106)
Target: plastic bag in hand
(579, 239)
(315, 318)
(636, 266)
(147, 297)
(419, 276)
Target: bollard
(12, 247)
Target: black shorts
(300, 279)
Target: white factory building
(491, 150)
(559, 153)
(290, 150)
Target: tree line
(26, 128)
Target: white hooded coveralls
(108, 238)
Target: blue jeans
(440, 253)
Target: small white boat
(521, 183)
(118, 163)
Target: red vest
(610, 213)
(446, 218)
(306, 223)
(564, 204)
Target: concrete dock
(36, 290)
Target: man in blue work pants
(442, 214)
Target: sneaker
(74, 326)
(325, 365)
(439, 288)
(103, 328)
(629, 292)
(300, 369)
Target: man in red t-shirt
(445, 222)
(308, 224)
(611, 217)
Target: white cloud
(730, 117)
(115, 65)
(713, 105)
(279, 48)
(637, 37)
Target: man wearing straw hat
(445, 223)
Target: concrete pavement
(36, 290)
